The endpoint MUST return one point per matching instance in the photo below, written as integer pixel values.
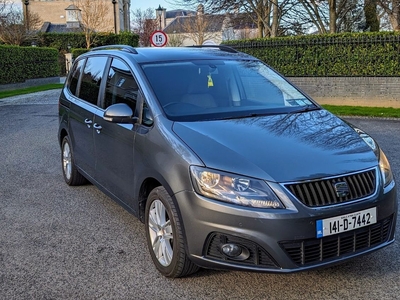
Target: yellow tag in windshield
(210, 81)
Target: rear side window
(74, 77)
(91, 78)
(121, 85)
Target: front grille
(322, 192)
(258, 256)
(313, 251)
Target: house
(65, 15)
(186, 28)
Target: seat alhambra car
(227, 164)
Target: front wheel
(164, 236)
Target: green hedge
(78, 51)
(21, 63)
(67, 41)
(24, 63)
(348, 54)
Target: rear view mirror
(119, 113)
(147, 117)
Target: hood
(280, 148)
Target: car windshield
(222, 89)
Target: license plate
(345, 223)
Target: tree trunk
(275, 18)
(260, 25)
(332, 16)
(371, 16)
(395, 16)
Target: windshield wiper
(247, 115)
(305, 108)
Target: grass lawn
(381, 112)
(46, 87)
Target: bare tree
(316, 13)
(265, 13)
(200, 27)
(12, 24)
(150, 26)
(92, 16)
(392, 9)
(3, 6)
(328, 16)
(175, 40)
(279, 17)
(144, 24)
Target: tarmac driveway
(61, 242)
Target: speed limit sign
(158, 38)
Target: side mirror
(147, 117)
(119, 113)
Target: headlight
(387, 175)
(384, 165)
(233, 188)
(368, 140)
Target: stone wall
(354, 91)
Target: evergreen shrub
(346, 54)
(21, 63)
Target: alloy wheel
(161, 233)
(67, 167)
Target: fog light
(235, 251)
(231, 250)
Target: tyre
(70, 172)
(164, 236)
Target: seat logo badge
(341, 189)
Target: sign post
(158, 38)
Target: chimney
(200, 9)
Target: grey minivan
(228, 164)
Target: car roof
(153, 54)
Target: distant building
(62, 15)
(177, 24)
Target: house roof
(242, 21)
(59, 28)
(214, 23)
(170, 14)
(72, 7)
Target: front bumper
(280, 240)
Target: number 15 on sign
(158, 38)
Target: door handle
(97, 127)
(88, 122)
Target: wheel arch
(148, 184)
(62, 134)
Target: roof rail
(220, 47)
(118, 47)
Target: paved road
(59, 242)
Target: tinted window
(74, 77)
(121, 85)
(214, 89)
(91, 78)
